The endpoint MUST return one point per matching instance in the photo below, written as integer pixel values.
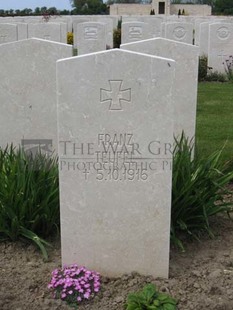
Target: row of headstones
(91, 36)
(19, 28)
(215, 39)
(72, 20)
(112, 125)
(213, 36)
(20, 31)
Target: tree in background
(109, 2)
(89, 7)
(37, 12)
(223, 7)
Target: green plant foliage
(206, 73)
(116, 38)
(29, 196)
(214, 120)
(202, 68)
(75, 52)
(223, 7)
(70, 38)
(89, 7)
(216, 77)
(196, 186)
(150, 299)
(117, 35)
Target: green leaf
(171, 300)
(162, 297)
(196, 185)
(29, 196)
(149, 292)
(38, 241)
(169, 307)
(153, 307)
(156, 302)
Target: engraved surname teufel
(115, 95)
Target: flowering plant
(74, 284)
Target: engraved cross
(223, 56)
(115, 95)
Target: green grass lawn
(215, 118)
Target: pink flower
(63, 295)
(86, 295)
(74, 280)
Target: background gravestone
(75, 21)
(154, 23)
(115, 137)
(8, 33)
(108, 25)
(134, 31)
(185, 84)
(91, 37)
(182, 32)
(28, 92)
(48, 31)
(220, 45)
(204, 38)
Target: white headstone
(48, 31)
(75, 21)
(198, 22)
(204, 38)
(109, 28)
(220, 45)
(28, 92)
(8, 33)
(91, 37)
(134, 31)
(22, 29)
(186, 76)
(154, 23)
(115, 136)
(182, 32)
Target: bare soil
(200, 278)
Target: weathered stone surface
(91, 37)
(220, 45)
(8, 33)
(115, 135)
(182, 32)
(28, 92)
(185, 84)
(134, 31)
(48, 31)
